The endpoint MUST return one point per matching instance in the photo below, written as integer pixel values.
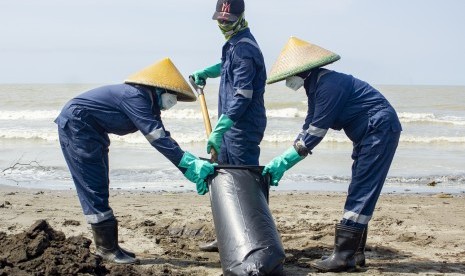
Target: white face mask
(168, 100)
(294, 82)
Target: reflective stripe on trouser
(369, 171)
(86, 153)
(237, 153)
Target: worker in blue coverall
(84, 125)
(340, 101)
(241, 108)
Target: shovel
(206, 117)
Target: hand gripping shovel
(206, 117)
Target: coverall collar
(151, 91)
(233, 40)
(310, 81)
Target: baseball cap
(229, 10)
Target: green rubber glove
(280, 164)
(197, 171)
(200, 76)
(216, 137)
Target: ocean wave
(406, 117)
(192, 114)
(50, 115)
(432, 140)
(196, 114)
(33, 172)
(29, 134)
(430, 180)
(189, 113)
(32, 115)
(46, 134)
(286, 113)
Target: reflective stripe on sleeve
(155, 134)
(246, 93)
(358, 218)
(96, 218)
(318, 132)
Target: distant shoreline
(310, 188)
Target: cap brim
(224, 16)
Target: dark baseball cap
(229, 10)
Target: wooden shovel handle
(206, 116)
(208, 126)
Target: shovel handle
(198, 88)
(208, 127)
(206, 117)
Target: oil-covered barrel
(248, 240)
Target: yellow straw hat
(299, 56)
(164, 74)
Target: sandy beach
(409, 233)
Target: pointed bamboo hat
(299, 56)
(164, 74)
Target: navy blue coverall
(83, 128)
(242, 86)
(340, 101)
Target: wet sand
(409, 233)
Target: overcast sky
(103, 41)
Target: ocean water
(430, 156)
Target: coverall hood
(164, 74)
(299, 56)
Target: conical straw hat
(164, 74)
(299, 56)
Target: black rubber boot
(210, 247)
(360, 254)
(346, 243)
(129, 253)
(106, 243)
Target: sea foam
(194, 114)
